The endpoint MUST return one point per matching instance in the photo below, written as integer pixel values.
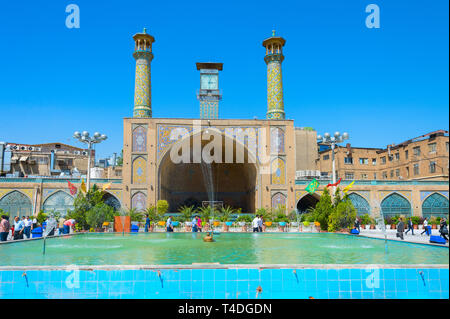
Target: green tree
(120, 159)
(162, 206)
(323, 210)
(100, 213)
(342, 216)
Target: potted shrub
(306, 223)
(317, 225)
(282, 220)
(242, 221)
(372, 223)
(186, 216)
(415, 220)
(293, 218)
(225, 214)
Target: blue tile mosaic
(239, 283)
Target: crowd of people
(21, 228)
(443, 230)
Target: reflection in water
(229, 248)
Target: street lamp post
(85, 138)
(332, 141)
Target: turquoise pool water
(229, 248)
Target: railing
(56, 180)
(374, 182)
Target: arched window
(59, 202)
(394, 205)
(16, 204)
(279, 199)
(360, 203)
(435, 205)
(138, 201)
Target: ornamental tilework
(245, 135)
(275, 102)
(47, 192)
(209, 109)
(277, 140)
(278, 171)
(116, 192)
(298, 195)
(142, 91)
(425, 194)
(139, 170)
(138, 201)
(384, 194)
(140, 139)
(279, 199)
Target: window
(374, 175)
(383, 160)
(384, 175)
(392, 173)
(406, 154)
(416, 169)
(432, 147)
(349, 175)
(407, 171)
(416, 151)
(363, 161)
(326, 157)
(363, 176)
(348, 160)
(446, 146)
(397, 156)
(432, 167)
(374, 161)
(397, 172)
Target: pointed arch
(395, 204)
(308, 201)
(111, 200)
(16, 203)
(59, 202)
(139, 170)
(360, 203)
(278, 199)
(140, 139)
(139, 201)
(435, 205)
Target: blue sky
(381, 85)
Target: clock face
(209, 81)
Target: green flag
(311, 188)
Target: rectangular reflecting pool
(228, 248)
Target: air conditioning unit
(76, 152)
(23, 148)
(84, 153)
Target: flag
(335, 184)
(72, 188)
(347, 188)
(311, 188)
(106, 186)
(83, 186)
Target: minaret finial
(273, 33)
(145, 30)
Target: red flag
(335, 184)
(72, 188)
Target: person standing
(169, 225)
(443, 230)
(27, 227)
(61, 221)
(4, 228)
(410, 227)
(400, 228)
(425, 226)
(260, 223)
(357, 225)
(34, 222)
(18, 228)
(255, 224)
(147, 223)
(199, 224)
(194, 225)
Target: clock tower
(209, 94)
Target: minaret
(143, 89)
(274, 57)
(209, 94)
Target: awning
(23, 158)
(14, 159)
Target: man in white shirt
(27, 227)
(18, 228)
(255, 223)
(260, 223)
(169, 224)
(425, 226)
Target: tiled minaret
(143, 89)
(274, 57)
